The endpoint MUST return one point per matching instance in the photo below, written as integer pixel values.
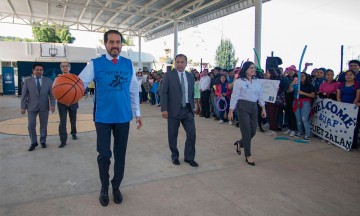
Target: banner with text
(334, 121)
(270, 89)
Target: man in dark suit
(177, 106)
(37, 98)
(64, 109)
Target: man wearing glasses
(64, 110)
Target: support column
(258, 18)
(140, 60)
(176, 30)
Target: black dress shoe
(32, 146)
(250, 163)
(104, 197)
(176, 161)
(74, 137)
(117, 196)
(62, 145)
(192, 163)
(43, 145)
(201, 116)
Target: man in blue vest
(116, 94)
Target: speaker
(273, 62)
(168, 68)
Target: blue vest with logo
(112, 102)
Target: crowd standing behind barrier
(288, 115)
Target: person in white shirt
(204, 87)
(117, 101)
(247, 92)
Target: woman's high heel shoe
(250, 163)
(238, 150)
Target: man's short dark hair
(217, 68)
(36, 65)
(181, 55)
(112, 31)
(354, 61)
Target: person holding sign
(329, 87)
(302, 105)
(272, 108)
(247, 92)
(349, 92)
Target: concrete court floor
(289, 178)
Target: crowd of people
(289, 114)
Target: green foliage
(17, 39)
(128, 41)
(52, 33)
(225, 55)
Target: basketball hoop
(53, 51)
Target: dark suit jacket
(171, 93)
(32, 100)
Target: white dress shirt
(87, 75)
(186, 85)
(205, 83)
(40, 80)
(245, 90)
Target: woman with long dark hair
(302, 105)
(349, 92)
(329, 87)
(247, 92)
(272, 108)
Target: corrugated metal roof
(149, 18)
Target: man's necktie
(38, 83)
(115, 60)
(183, 100)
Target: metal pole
(140, 60)
(258, 17)
(341, 58)
(176, 30)
(200, 65)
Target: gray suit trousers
(186, 118)
(248, 114)
(43, 116)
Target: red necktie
(114, 60)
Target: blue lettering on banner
(333, 108)
(333, 138)
(334, 121)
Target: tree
(52, 33)
(225, 55)
(11, 38)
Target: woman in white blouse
(247, 92)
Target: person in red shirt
(223, 94)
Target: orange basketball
(68, 89)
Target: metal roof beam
(238, 6)
(64, 12)
(87, 26)
(81, 6)
(11, 6)
(29, 7)
(154, 26)
(116, 14)
(83, 10)
(146, 6)
(99, 13)
(162, 12)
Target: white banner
(270, 89)
(334, 121)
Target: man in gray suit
(177, 106)
(37, 98)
